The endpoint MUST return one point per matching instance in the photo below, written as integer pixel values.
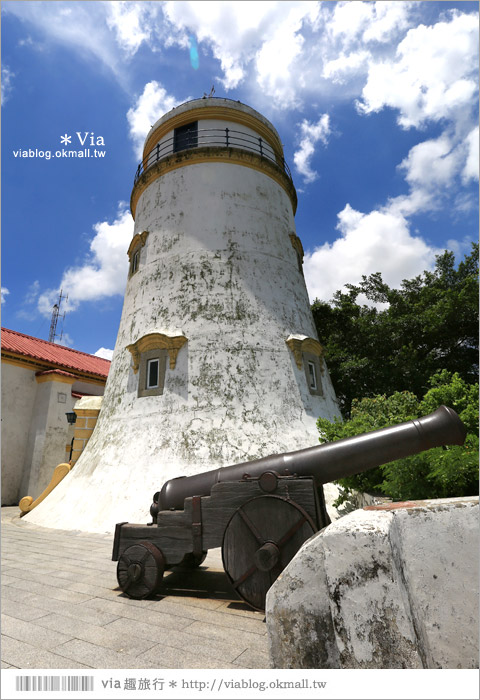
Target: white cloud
(65, 340)
(29, 303)
(309, 135)
(104, 271)
(338, 70)
(266, 40)
(7, 83)
(432, 163)
(105, 353)
(368, 21)
(5, 292)
(232, 33)
(277, 59)
(470, 170)
(379, 241)
(80, 26)
(431, 77)
(150, 106)
(32, 293)
(130, 23)
(436, 169)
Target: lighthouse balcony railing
(226, 138)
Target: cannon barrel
(332, 460)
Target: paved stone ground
(62, 608)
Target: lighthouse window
(313, 373)
(151, 376)
(135, 262)
(185, 136)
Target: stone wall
(392, 586)
(18, 396)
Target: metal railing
(227, 138)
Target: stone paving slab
(94, 656)
(32, 633)
(62, 609)
(95, 634)
(22, 655)
(88, 615)
(185, 641)
(167, 657)
(22, 611)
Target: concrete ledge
(390, 586)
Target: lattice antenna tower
(55, 316)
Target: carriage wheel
(261, 538)
(140, 570)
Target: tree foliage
(429, 324)
(436, 473)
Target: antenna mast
(55, 316)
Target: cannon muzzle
(330, 461)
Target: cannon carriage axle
(260, 512)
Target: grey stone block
(32, 575)
(22, 611)
(184, 641)
(137, 613)
(217, 632)
(50, 591)
(223, 618)
(97, 656)
(253, 658)
(23, 655)
(105, 637)
(395, 586)
(16, 594)
(89, 615)
(167, 657)
(32, 633)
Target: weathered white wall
(47, 437)
(218, 265)
(88, 388)
(35, 430)
(18, 394)
(395, 587)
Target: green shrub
(437, 473)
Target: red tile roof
(53, 354)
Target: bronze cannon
(260, 512)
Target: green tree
(436, 473)
(429, 324)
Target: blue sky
(375, 102)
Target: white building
(41, 382)
(217, 359)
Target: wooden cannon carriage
(259, 512)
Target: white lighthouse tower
(217, 360)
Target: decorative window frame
(134, 250)
(155, 346)
(308, 351)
